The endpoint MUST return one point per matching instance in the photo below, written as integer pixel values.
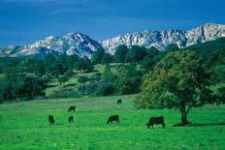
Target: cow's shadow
(199, 124)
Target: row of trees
(123, 54)
(27, 78)
(56, 66)
(18, 85)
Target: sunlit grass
(25, 126)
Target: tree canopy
(120, 54)
(136, 54)
(129, 79)
(172, 47)
(84, 65)
(179, 81)
(96, 57)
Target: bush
(63, 79)
(107, 58)
(65, 93)
(69, 73)
(136, 54)
(84, 65)
(120, 54)
(129, 79)
(172, 47)
(130, 86)
(96, 77)
(104, 89)
(96, 57)
(82, 79)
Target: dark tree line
(123, 54)
(27, 78)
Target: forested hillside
(103, 74)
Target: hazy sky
(24, 21)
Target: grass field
(24, 126)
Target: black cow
(119, 101)
(156, 120)
(72, 108)
(114, 118)
(70, 119)
(51, 120)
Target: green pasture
(24, 126)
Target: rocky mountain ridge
(162, 39)
(83, 45)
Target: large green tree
(221, 95)
(22, 85)
(153, 56)
(136, 54)
(96, 57)
(33, 86)
(120, 54)
(28, 65)
(107, 74)
(82, 79)
(179, 81)
(72, 60)
(107, 58)
(152, 51)
(172, 47)
(129, 79)
(84, 64)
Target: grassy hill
(25, 125)
(54, 85)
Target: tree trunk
(184, 120)
(30, 96)
(184, 113)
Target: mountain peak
(71, 43)
(76, 34)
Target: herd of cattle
(115, 118)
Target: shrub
(104, 89)
(64, 93)
(82, 79)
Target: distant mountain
(161, 39)
(83, 45)
(72, 43)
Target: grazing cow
(156, 120)
(70, 119)
(72, 108)
(51, 120)
(114, 118)
(119, 101)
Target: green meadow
(25, 126)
